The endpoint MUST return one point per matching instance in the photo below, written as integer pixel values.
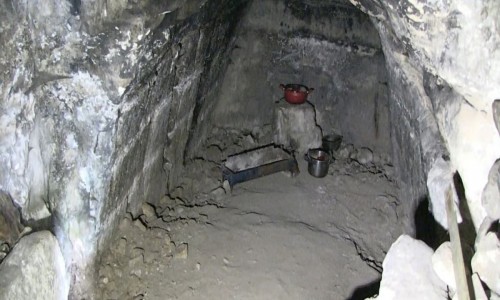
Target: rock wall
(59, 92)
(102, 101)
(447, 51)
(180, 71)
(332, 47)
(80, 139)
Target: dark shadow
(495, 228)
(426, 228)
(466, 229)
(366, 291)
(433, 234)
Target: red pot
(296, 93)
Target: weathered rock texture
(79, 139)
(442, 59)
(34, 269)
(106, 103)
(326, 45)
(409, 274)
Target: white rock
(226, 186)
(439, 179)
(442, 262)
(486, 261)
(491, 193)
(364, 156)
(34, 269)
(408, 273)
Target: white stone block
(408, 273)
(442, 263)
(486, 261)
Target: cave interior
(119, 116)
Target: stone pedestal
(296, 128)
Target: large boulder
(34, 269)
(408, 272)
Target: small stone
(346, 151)
(148, 211)
(105, 280)
(364, 156)
(198, 266)
(4, 248)
(138, 224)
(136, 272)
(353, 154)
(226, 186)
(218, 193)
(181, 252)
(225, 260)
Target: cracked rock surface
(275, 237)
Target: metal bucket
(318, 162)
(332, 142)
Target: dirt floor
(275, 237)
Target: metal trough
(256, 163)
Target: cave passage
(129, 130)
(282, 236)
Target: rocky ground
(275, 237)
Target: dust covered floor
(275, 237)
